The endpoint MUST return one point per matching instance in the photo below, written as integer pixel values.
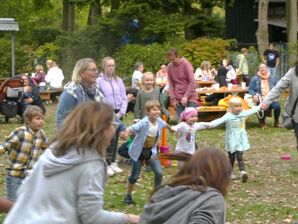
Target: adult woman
(137, 75)
(54, 76)
(290, 80)
(114, 95)
(162, 76)
(32, 99)
(259, 86)
(195, 193)
(204, 72)
(82, 88)
(226, 72)
(75, 163)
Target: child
(187, 130)
(24, 146)
(148, 92)
(236, 135)
(144, 146)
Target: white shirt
(55, 77)
(187, 135)
(136, 79)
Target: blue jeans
(136, 167)
(181, 108)
(272, 71)
(12, 185)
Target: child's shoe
(243, 176)
(232, 176)
(115, 168)
(110, 171)
(128, 199)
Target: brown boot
(277, 124)
(262, 124)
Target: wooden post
(12, 55)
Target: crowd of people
(89, 123)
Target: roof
(279, 22)
(8, 24)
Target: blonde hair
(81, 66)
(32, 112)
(85, 134)
(150, 104)
(104, 61)
(233, 102)
(51, 63)
(38, 67)
(205, 65)
(147, 74)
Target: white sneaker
(110, 171)
(243, 176)
(232, 176)
(115, 168)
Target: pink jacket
(181, 81)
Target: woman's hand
(132, 219)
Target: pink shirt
(181, 81)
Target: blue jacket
(255, 85)
(141, 130)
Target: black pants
(239, 156)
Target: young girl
(77, 160)
(148, 92)
(236, 135)
(144, 146)
(187, 130)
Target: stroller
(11, 91)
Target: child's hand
(123, 135)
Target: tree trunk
(94, 13)
(291, 7)
(115, 4)
(68, 16)
(262, 32)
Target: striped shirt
(24, 148)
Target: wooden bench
(50, 95)
(210, 113)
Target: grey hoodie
(181, 205)
(67, 189)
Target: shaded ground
(269, 196)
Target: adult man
(271, 59)
(182, 84)
(260, 85)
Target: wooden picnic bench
(50, 95)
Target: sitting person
(260, 86)
(131, 94)
(162, 77)
(204, 72)
(39, 77)
(195, 194)
(54, 76)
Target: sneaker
(232, 176)
(277, 124)
(243, 176)
(128, 199)
(110, 171)
(115, 168)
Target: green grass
(269, 196)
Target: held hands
(132, 219)
(263, 106)
(184, 101)
(124, 135)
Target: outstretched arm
(251, 111)
(219, 121)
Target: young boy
(24, 146)
(144, 146)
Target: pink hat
(187, 113)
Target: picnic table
(224, 89)
(50, 94)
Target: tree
(94, 12)
(68, 15)
(262, 32)
(291, 11)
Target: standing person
(195, 194)
(144, 146)
(115, 95)
(182, 84)
(24, 146)
(260, 86)
(289, 80)
(39, 77)
(82, 88)
(74, 162)
(236, 141)
(54, 76)
(137, 75)
(271, 59)
(243, 69)
(148, 92)
(187, 129)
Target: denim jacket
(255, 85)
(141, 130)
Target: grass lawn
(269, 196)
